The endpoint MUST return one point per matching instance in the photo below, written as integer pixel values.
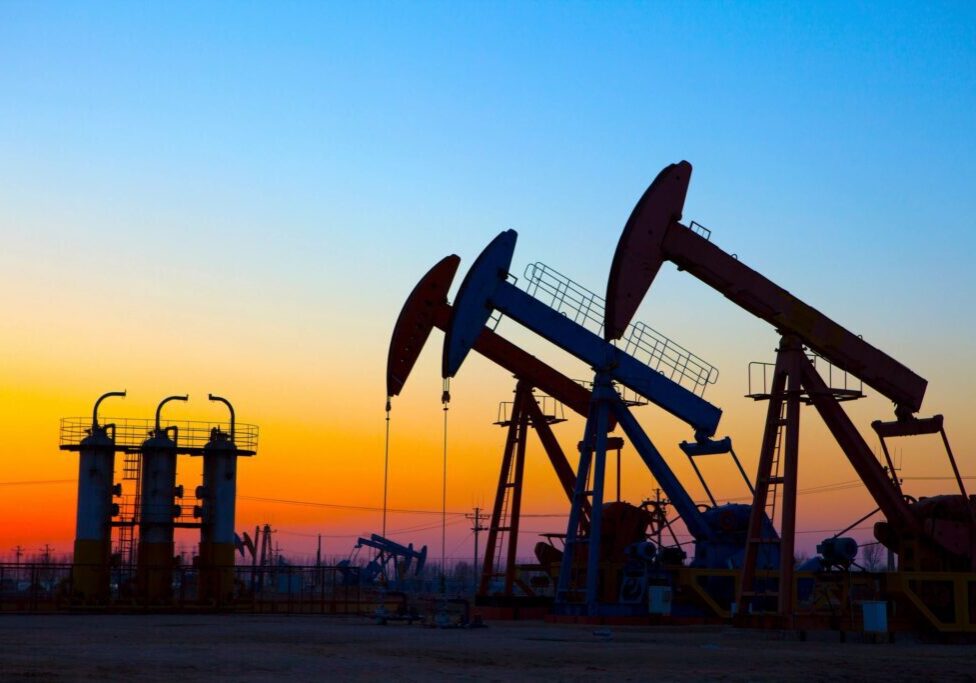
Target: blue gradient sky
(241, 195)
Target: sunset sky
(237, 198)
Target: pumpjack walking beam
(653, 235)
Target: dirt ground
(187, 648)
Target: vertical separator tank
(93, 523)
(157, 512)
(218, 498)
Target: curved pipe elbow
(227, 403)
(166, 400)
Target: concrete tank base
(90, 571)
(216, 584)
(154, 576)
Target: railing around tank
(130, 433)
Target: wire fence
(49, 586)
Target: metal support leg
(515, 507)
(790, 477)
(754, 538)
(488, 566)
(557, 458)
(596, 521)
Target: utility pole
(659, 515)
(318, 553)
(47, 553)
(662, 515)
(18, 553)
(477, 529)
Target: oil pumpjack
(934, 538)
(427, 307)
(719, 532)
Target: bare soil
(186, 648)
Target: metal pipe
(955, 470)
(229, 407)
(854, 524)
(166, 400)
(100, 399)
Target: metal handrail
(640, 340)
(130, 433)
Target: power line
(422, 527)
(38, 482)
(935, 478)
(813, 490)
(339, 506)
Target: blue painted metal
(392, 561)
(726, 548)
(471, 306)
(718, 532)
(591, 435)
(604, 356)
(675, 492)
(485, 288)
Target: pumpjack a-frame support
(795, 381)
(930, 535)
(506, 510)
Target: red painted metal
(647, 242)
(917, 427)
(879, 485)
(427, 308)
(558, 460)
(789, 315)
(638, 256)
(764, 481)
(420, 313)
(512, 452)
(525, 410)
(932, 534)
(515, 501)
(790, 457)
